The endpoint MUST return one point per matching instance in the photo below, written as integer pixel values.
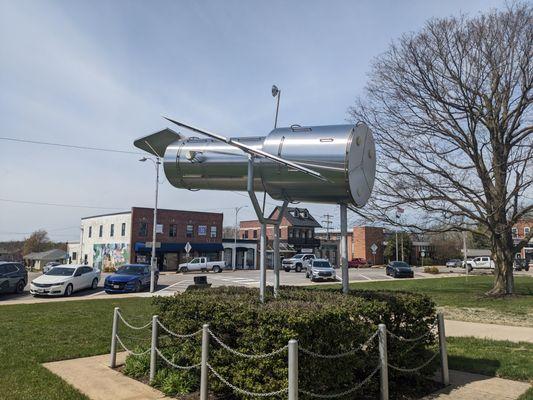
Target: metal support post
(203, 368)
(153, 347)
(113, 355)
(154, 231)
(276, 260)
(384, 383)
(443, 351)
(277, 257)
(293, 369)
(344, 249)
(262, 280)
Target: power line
(37, 203)
(71, 146)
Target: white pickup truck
(479, 262)
(201, 264)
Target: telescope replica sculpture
(334, 164)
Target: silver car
(322, 270)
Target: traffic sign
(188, 248)
(374, 248)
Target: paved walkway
(466, 386)
(93, 377)
(489, 331)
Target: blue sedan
(129, 278)
(399, 269)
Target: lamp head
(275, 91)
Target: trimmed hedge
(323, 321)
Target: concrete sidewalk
(489, 331)
(467, 386)
(93, 377)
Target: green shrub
(431, 270)
(323, 321)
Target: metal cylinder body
(343, 154)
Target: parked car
(50, 265)
(320, 269)
(129, 278)
(13, 277)
(479, 262)
(63, 280)
(399, 269)
(454, 263)
(201, 264)
(521, 264)
(298, 262)
(358, 263)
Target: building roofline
(184, 211)
(106, 215)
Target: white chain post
(153, 349)
(204, 371)
(113, 355)
(293, 369)
(384, 383)
(443, 351)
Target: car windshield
(321, 264)
(61, 271)
(298, 256)
(131, 270)
(400, 264)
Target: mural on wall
(110, 256)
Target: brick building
(110, 240)
(297, 232)
(363, 239)
(520, 230)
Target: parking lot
(170, 282)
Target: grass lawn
(464, 299)
(32, 334)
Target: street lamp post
(234, 253)
(153, 263)
(276, 93)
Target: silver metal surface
(153, 348)
(293, 369)
(343, 154)
(344, 249)
(204, 369)
(114, 332)
(445, 373)
(384, 379)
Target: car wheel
(94, 285)
(19, 288)
(298, 268)
(68, 290)
(307, 275)
(395, 275)
(287, 269)
(313, 279)
(184, 269)
(138, 286)
(217, 269)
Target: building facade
(297, 233)
(521, 230)
(108, 241)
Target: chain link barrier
(339, 355)
(249, 356)
(175, 365)
(415, 339)
(416, 368)
(138, 328)
(246, 392)
(177, 335)
(129, 351)
(346, 392)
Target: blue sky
(101, 74)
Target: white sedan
(63, 280)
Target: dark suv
(13, 277)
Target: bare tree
(451, 110)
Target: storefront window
(190, 231)
(213, 231)
(172, 230)
(143, 229)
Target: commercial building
(521, 230)
(110, 240)
(297, 232)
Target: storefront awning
(141, 247)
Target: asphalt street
(170, 282)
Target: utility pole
(328, 223)
(234, 252)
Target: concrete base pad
(467, 386)
(93, 377)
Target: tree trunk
(502, 250)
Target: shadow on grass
(481, 366)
